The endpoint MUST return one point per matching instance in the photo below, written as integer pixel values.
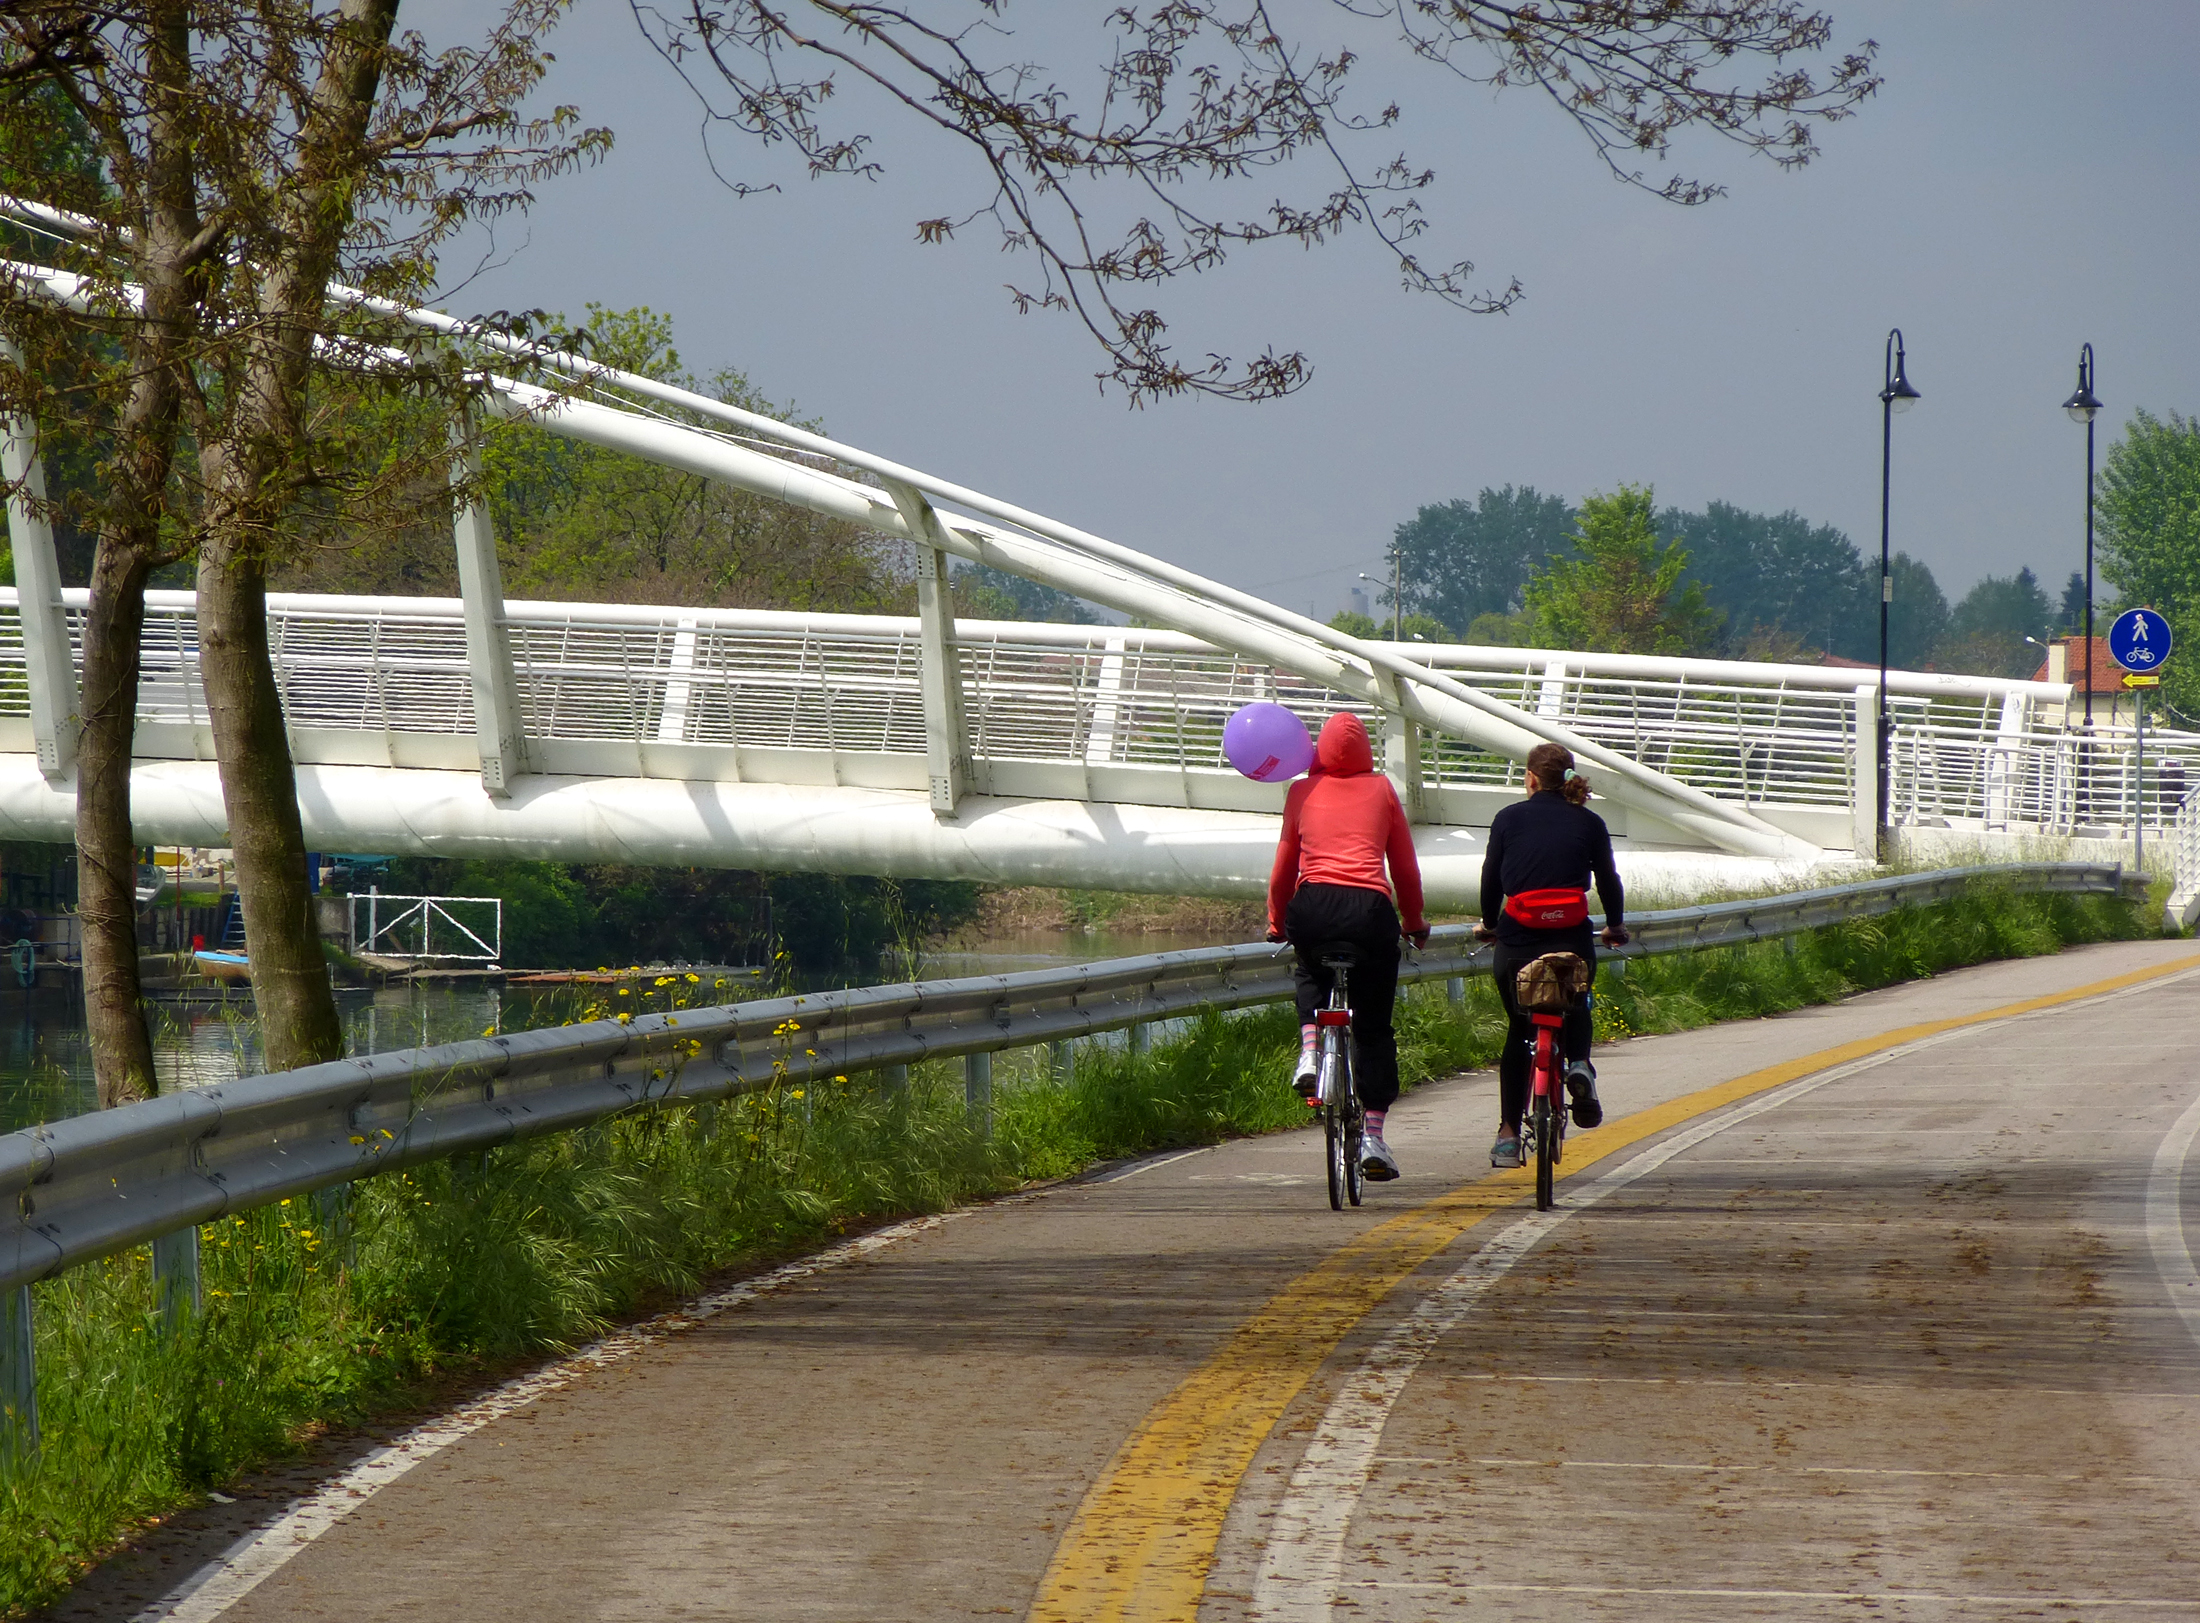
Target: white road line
(1148, 1164)
(2166, 1219)
(258, 1556)
(1302, 1563)
(2043, 1602)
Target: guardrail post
(46, 659)
(1060, 1067)
(978, 1089)
(334, 1205)
(498, 727)
(939, 662)
(1456, 990)
(176, 1275)
(18, 1376)
(1141, 1038)
(894, 1079)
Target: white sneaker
(1376, 1161)
(1306, 1080)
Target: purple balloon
(1268, 743)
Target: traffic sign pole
(2140, 642)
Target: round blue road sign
(2139, 640)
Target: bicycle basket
(1552, 984)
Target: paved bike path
(909, 1436)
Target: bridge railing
(2184, 859)
(1100, 712)
(95, 1184)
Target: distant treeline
(1722, 581)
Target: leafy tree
(2070, 619)
(1624, 592)
(586, 915)
(1194, 96)
(985, 593)
(1462, 560)
(252, 158)
(46, 147)
(1987, 630)
(1918, 619)
(2149, 536)
(1782, 582)
(1413, 628)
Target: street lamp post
(1397, 601)
(1896, 395)
(2083, 406)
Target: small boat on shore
(222, 966)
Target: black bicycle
(1337, 1091)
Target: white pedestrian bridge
(930, 746)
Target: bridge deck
(1895, 1338)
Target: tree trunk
(106, 852)
(290, 982)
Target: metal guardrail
(98, 1183)
(154, 1171)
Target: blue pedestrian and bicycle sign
(2139, 640)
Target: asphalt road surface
(1881, 1310)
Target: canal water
(46, 1066)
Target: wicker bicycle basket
(1552, 984)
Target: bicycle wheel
(1333, 1122)
(1546, 1150)
(1355, 1128)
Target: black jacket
(1542, 843)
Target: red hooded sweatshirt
(1340, 822)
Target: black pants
(1320, 914)
(1518, 1058)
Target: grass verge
(320, 1316)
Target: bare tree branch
(1198, 98)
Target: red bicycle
(1547, 989)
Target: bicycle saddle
(1338, 955)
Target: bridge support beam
(939, 663)
(1864, 780)
(52, 673)
(1401, 747)
(498, 724)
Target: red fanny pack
(1549, 909)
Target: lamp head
(1898, 395)
(2084, 405)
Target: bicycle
(1337, 1093)
(1547, 989)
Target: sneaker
(1376, 1161)
(1506, 1151)
(1306, 1080)
(1581, 1086)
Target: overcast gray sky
(2024, 182)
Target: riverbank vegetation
(323, 1315)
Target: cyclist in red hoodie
(1340, 823)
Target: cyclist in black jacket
(1542, 854)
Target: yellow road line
(1139, 1548)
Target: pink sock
(1375, 1122)
(1307, 1037)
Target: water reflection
(46, 1062)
